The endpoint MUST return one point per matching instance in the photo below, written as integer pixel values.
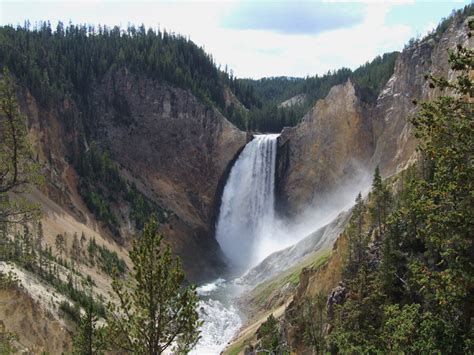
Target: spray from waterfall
(247, 209)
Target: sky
(259, 38)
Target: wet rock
(336, 297)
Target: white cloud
(263, 53)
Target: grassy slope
(272, 297)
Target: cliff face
(395, 146)
(326, 149)
(178, 151)
(341, 136)
(174, 148)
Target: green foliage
(107, 260)
(71, 311)
(269, 336)
(142, 207)
(79, 297)
(89, 338)
(7, 340)
(419, 296)
(101, 185)
(111, 262)
(22, 250)
(407, 329)
(8, 281)
(266, 116)
(274, 89)
(68, 61)
(154, 312)
(358, 239)
(380, 204)
(313, 320)
(371, 77)
(18, 171)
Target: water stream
(256, 243)
(246, 220)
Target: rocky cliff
(341, 136)
(175, 149)
(178, 150)
(325, 150)
(395, 146)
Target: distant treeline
(67, 61)
(267, 116)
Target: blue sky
(260, 38)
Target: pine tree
(381, 198)
(269, 336)
(17, 169)
(89, 338)
(356, 237)
(60, 244)
(442, 201)
(76, 249)
(154, 311)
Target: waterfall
(247, 208)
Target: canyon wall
(175, 149)
(342, 137)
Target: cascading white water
(247, 207)
(248, 231)
(244, 227)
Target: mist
(284, 232)
(249, 230)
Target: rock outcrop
(325, 150)
(175, 149)
(395, 146)
(341, 136)
(178, 150)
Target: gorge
(129, 124)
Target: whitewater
(248, 231)
(245, 221)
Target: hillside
(375, 290)
(128, 123)
(92, 96)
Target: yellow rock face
(331, 144)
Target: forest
(66, 62)
(408, 272)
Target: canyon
(207, 177)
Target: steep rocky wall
(37, 329)
(340, 136)
(178, 152)
(395, 146)
(176, 149)
(326, 149)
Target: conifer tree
(155, 312)
(17, 169)
(60, 244)
(89, 338)
(381, 201)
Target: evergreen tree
(154, 311)
(269, 336)
(379, 209)
(89, 338)
(314, 318)
(356, 237)
(17, 169)
(60, 244)
(76, 249)
(421, 298)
